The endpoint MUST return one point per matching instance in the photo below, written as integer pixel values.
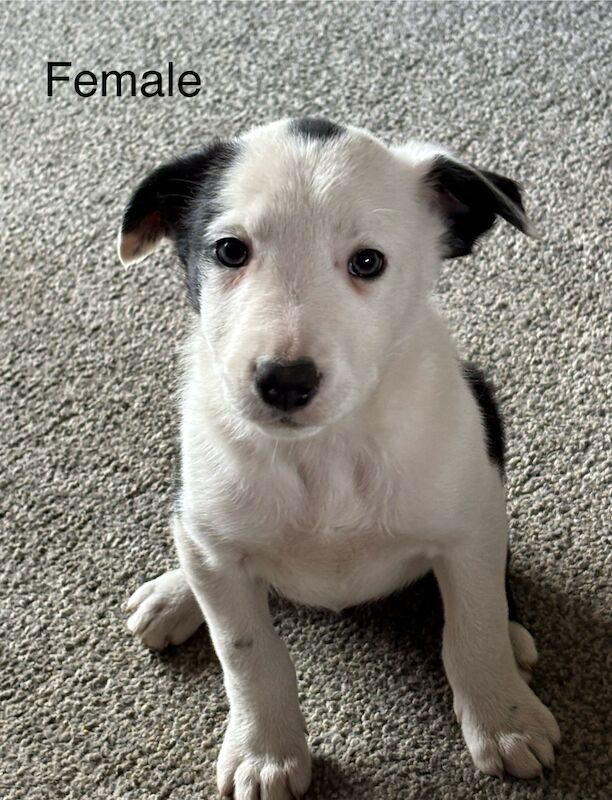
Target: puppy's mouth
(280, 423)
(288, 422)
(286, 426)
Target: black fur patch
(470, 206)
(316, 128)
(492, 422)
(178, 199)
(496, 445)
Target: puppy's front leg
(265, 754)
(504, 724)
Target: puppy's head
(308, 249)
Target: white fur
(386, 477)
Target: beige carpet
(88, 365)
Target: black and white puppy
(334, 447)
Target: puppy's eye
(231, 252)
(366, 264)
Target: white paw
(164, 611)
(513, 732)
(259, 765)
(525, 652)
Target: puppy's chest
(322, 528)
(321, 496)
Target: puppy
(334, 447)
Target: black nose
(287, 385)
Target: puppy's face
(311, 272)
(309, 249)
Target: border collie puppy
(334, 448)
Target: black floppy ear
(161, 203)
(469, 201)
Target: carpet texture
(89, 364)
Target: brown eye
(366, 264)
(231, 252)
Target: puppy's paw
(514, 733)
(259, 765)
(525, 652)
(164, 611)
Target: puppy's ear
(161, 203)
(469, 200)
(156, 207)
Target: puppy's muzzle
(287, 385)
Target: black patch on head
(316, 128)
(470, 200)
(178, 200)
(492, 422)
